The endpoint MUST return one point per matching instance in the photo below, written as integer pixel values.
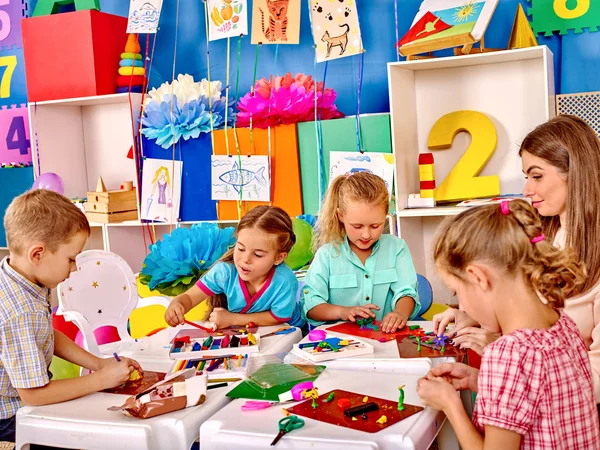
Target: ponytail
(510, 238)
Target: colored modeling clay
(414, 327)
(252, 339)
(401, 398)
(235, 341)
(361, 409)
(343, 403)
(251, 325)
(354, 418)
(314, 404)
(300, 388)
(225, 341)
(382, 420)
(135, 375)
(365, 400)
(244, 340)
(330, 397)
(317, 335)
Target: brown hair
(363, 187)
(270, 219)
(42, 216)
(484, 234)
(571, 146)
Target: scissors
(286, 425)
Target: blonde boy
(45, 233)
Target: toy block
(416, 201)
(52, 43)
(427, 184)
(521, 35)
(427, 193)
(47, 7)
(426, 172)
(425, 158)
(112, 206)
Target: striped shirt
(26, 337)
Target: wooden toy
(426, 197)
(104, 206)
(350, 405)
(195, 349)
(522, 35)
(331, 348)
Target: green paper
(338, 135)
(546, 17)
(47, 7)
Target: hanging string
(320, 138)
(397, 38)
(360, 77)
(227, 94)
(252, 89)
(171, 114)
(321, 164)
(212, 140)
(269, 148)
(235, 137)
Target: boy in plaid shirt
(45, 233)
(534, 388)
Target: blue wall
(576, 69)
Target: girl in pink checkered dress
(534, 388)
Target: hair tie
(504, 208)
(537, 239)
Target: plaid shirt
(26, 337)
(537, 382)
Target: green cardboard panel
(338, 135)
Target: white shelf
(96, 100)
(438, 211)
(137, 223)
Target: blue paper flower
(176, 263)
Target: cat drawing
(337, 41)
(277, 20)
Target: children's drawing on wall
(349, 163)
(161, 190)
(276, 22)
(335, 27)
(251, 178)
(143, 16)
(227, 18)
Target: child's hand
(115, 373)
(351, 312)
(461, 320)
(175, 313)
(393, 321)
(461, 376)
(221, 317)
(437, 392)
(474, 338)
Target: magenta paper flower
(285, 100)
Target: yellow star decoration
(98, 263)
(70, 289)
(124, 288)
(95, 284)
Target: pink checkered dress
(538, 383)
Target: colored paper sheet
(275, 22)
(227, 18)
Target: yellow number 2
(10, 62)
(462, 182)
(561, 10)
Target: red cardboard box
(74, 54)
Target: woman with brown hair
(561, 162)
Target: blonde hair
(485, 234)
(157, 175)
(572, 147)
(42, 216)
(360, 187)
(270, 219)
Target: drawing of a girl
(162, 183)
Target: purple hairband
(506, 211)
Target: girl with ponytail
(250, 283)
(535, 381)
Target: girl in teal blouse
(357, 271)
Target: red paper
(331, 413)
(352, 329)
(420, 29)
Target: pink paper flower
(284, 100)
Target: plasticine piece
(128, 55)
(361, 409)
(414, 327)
(196, 346)
(382, 420)
(133, 44)
(207, 343)
(354, 418)
(131, 62)
(244, 340)
(344, 343)
(135, 375)
(182, 340)
(235, 341)
(135, 71)
(48, 7)
(401, 398)
(330, 397)
(300, 388)
(251, 325)
(314, 404)
(343, 403)
(317, 335)
(365, 399)
(225, 341)
(252, 339)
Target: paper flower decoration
(177, 262)
(287, 99)
(189, 112)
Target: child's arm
(223, 318)
(112, 374)
(397, 319)
(182, 304)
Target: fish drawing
(358, 158)
(237, 177)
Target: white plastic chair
(102, 292)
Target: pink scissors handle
(256, 405)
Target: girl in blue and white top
(252, 276)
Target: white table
(85, 423)
(233, 429)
